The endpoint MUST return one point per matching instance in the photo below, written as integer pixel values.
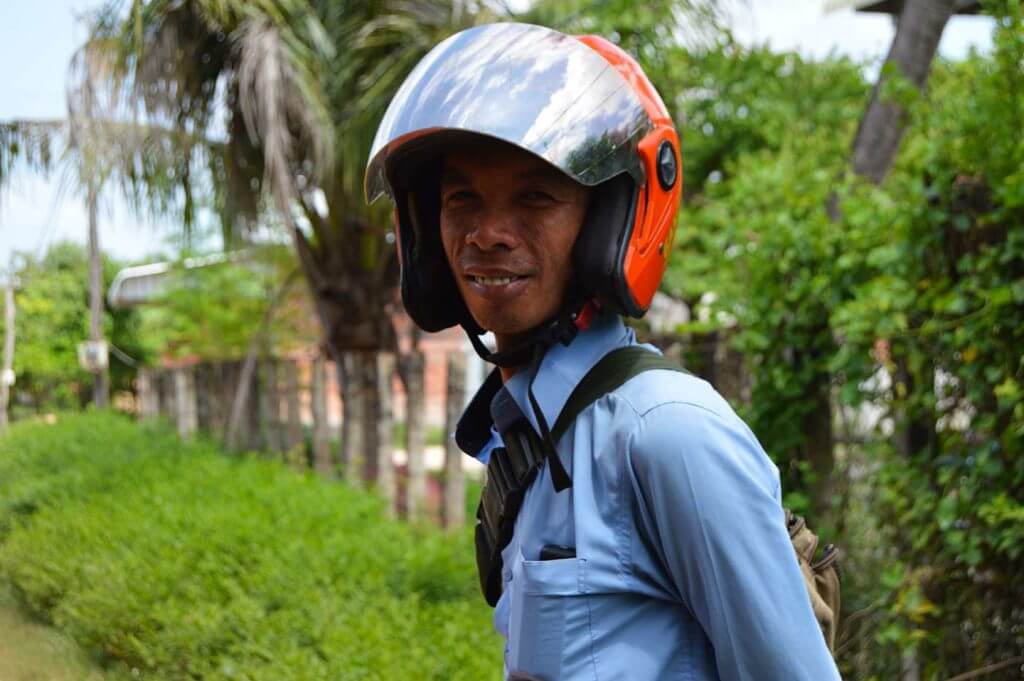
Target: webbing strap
(612, 371)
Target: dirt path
(30, 651)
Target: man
(535, 179)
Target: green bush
(881, 328)
(174, 560)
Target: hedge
(174, 561)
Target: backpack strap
(612, 371)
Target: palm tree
(279, 100)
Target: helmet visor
(530, 86)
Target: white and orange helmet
(580, 103)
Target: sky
(38, 39)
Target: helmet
(580, 103)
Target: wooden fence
(337, 420)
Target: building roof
(894, 6)
(137, 285)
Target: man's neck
(501, 343)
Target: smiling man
(509, 221)
(630, 526)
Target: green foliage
(906, 299)
(213, 311)
(52, 319)
(737, 101)
(175, 561)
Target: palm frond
(32, 144)
(185, 64)
(275, 111)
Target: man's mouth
(495, 281)
(499, 286)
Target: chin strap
(559, 476)
(562, 329)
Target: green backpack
(511, 470)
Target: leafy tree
(53, 320)
(213, 310)
(927, 267)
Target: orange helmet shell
(653, 230)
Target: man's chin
(503, 326)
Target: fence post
(416, 489)
(293, 427)
(321, 434)
(202, 379)
(378, 422)
(185, 401)
(385, 363)
(352, 441)
(254, 408)
(270, 407)
(149, 397)
(165, 391)
(454, 515)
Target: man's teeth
(494, 281)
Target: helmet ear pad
(600, 251)
(429, 292)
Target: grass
(32, 651)
(175, 561)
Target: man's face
(508, 224)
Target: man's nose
(494, 229)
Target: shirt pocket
(550, 618)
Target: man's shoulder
(681, 418)
(658, 388)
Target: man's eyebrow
(452, 176)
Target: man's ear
(429, 292)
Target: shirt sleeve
(706, 492)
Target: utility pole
(101, 379)
(7, 375)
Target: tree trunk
(243, 387)
(412, 374)
(728, 368)
(819, 445)
(101, 378)
(454, 511)
(354, 296)
(915, 423)
(321, 432)
(910, 668)
(918, 32)
(7, 378)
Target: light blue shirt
(683, 569)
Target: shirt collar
(561, 369)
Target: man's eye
(537, 196)
(458, 197)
